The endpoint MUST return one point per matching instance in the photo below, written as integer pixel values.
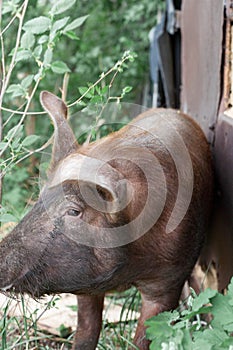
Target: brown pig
(130, 209)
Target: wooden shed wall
(206, 37)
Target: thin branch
(19, 112)
(12, 115)
(1, 81)
(17, 43)
(22, 118)
(65, 86)
(103, 76)
(9, 24)
(3, 67)
(29, 154)
(25, 112)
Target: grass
(21, 332)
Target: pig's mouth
(31, 283)
(28, 282)
(7, 288)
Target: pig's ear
(64, 139)
(102, 186)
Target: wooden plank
(223, 150)
(202, 34)
(222, 241)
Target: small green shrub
(184, 329)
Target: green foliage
(184, 330)
(30, 36)
(112, 28)
(43, 44)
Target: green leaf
(37, 25)
(7, 218)
(188, 314)
(16, 90)
(48, 56)
(38, 51)
(159, 329)
(10, 6)
(223, 312)
(26, 82)
(29, 140)
(230, 293)
(59, 24)
(81, 104)
(61, 6)
(39, 75)
(76, 23)
(203, 299)
(72, 307)
(71, 35)
(7, 8)
(187, 340)
(209, 338)
(23, 54)
(96, 99)
(230, 287)
(64, 331)
(2, 145)
(104, 90)
(83, 90)
(27, 40)
(159, 326)
(59, 67)
(16, 144)
(16, 131)
(13, 88)
(43, 39)
(127, 89)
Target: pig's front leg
(149, 309)
(89, 322)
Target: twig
(17, 43)
(2, 77)
(103, 76)
(5, 82)
(25, 113)
(22, 118)
(65, 87)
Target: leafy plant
(33, 61)
(28, 45)
(184, 329)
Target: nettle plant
(30, 62)
(184, 328)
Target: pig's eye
(73, 212)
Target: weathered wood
(202, 34)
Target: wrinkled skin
(38, 257)
(81, 268)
